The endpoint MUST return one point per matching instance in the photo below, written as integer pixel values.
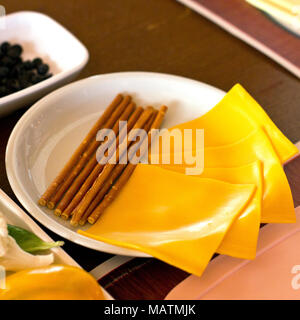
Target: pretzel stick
(135, 124)
(91, 164)
(75, 157)
(115, 174)
(98, 168)
(99, 182)
(113, 192)
(108, 183)
(86, 155)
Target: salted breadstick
(125, 174)
(78, 152)
(87, 154)
(67, 198)
(99, 182)
(98, 168)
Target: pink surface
(274, 274)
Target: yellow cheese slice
(173, 217)
(241, 239)
(235, 117)
(277, 205)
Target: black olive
(3, 72)
(43, 69)
(4, 47)
(14, 51)
(36, 62)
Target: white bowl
(42, 37)
(47, 134)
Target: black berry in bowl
(16, 74)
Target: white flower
(13, 258)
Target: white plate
(45, 137)
(16, 216)
(42, 37)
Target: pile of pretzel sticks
(86, 185)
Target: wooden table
(161, 36)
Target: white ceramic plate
(42, 37)
(45, 137)
(16, 216)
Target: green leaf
(29, 242)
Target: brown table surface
(161, 36)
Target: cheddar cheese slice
(235, 117)
(277, 205)
(173, 217)
(241, 239)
